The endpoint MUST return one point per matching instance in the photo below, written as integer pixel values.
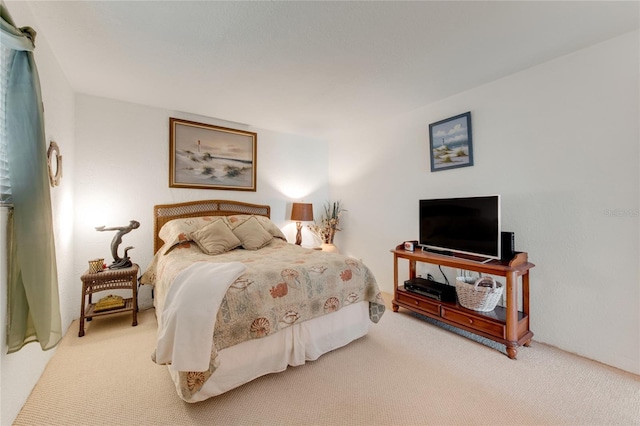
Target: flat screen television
(469, 225)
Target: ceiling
(310, 68)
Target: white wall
(21, 370)
(122, 160)
(560, 143)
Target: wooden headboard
(163, 213)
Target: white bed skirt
(292, 346)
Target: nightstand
(109, 279)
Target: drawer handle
(470, 320)
(417, 303)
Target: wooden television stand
(504, 325)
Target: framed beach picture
(211, 157)
(450, 143)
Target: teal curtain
(33, 313)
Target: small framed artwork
(451, 143)
(211, 157)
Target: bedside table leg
(81, 321)
(89, 303)
(134, 294)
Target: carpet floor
(404, 372)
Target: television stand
(504, 325)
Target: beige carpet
(405, 372)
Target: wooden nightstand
(109, 279)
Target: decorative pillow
(266, 223)
(252, 234)
(178, 231)
(215, 238)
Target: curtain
(33, 312)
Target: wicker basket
(481, 294)
(96, 266)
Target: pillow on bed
(178, 231)
(215, 238)
(266, 223)
(252, 234)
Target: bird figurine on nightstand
(120, 262)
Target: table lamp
(301, 212)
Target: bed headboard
(163, 213)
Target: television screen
(468, 225)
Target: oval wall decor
(54, 162)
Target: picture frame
(204, 156)
(450, 143)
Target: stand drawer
(418, 303)
(494, 329)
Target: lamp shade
(302, 212)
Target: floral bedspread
(284, 284)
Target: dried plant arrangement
(329, 222)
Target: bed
(235, 301)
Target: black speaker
(508, 245)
